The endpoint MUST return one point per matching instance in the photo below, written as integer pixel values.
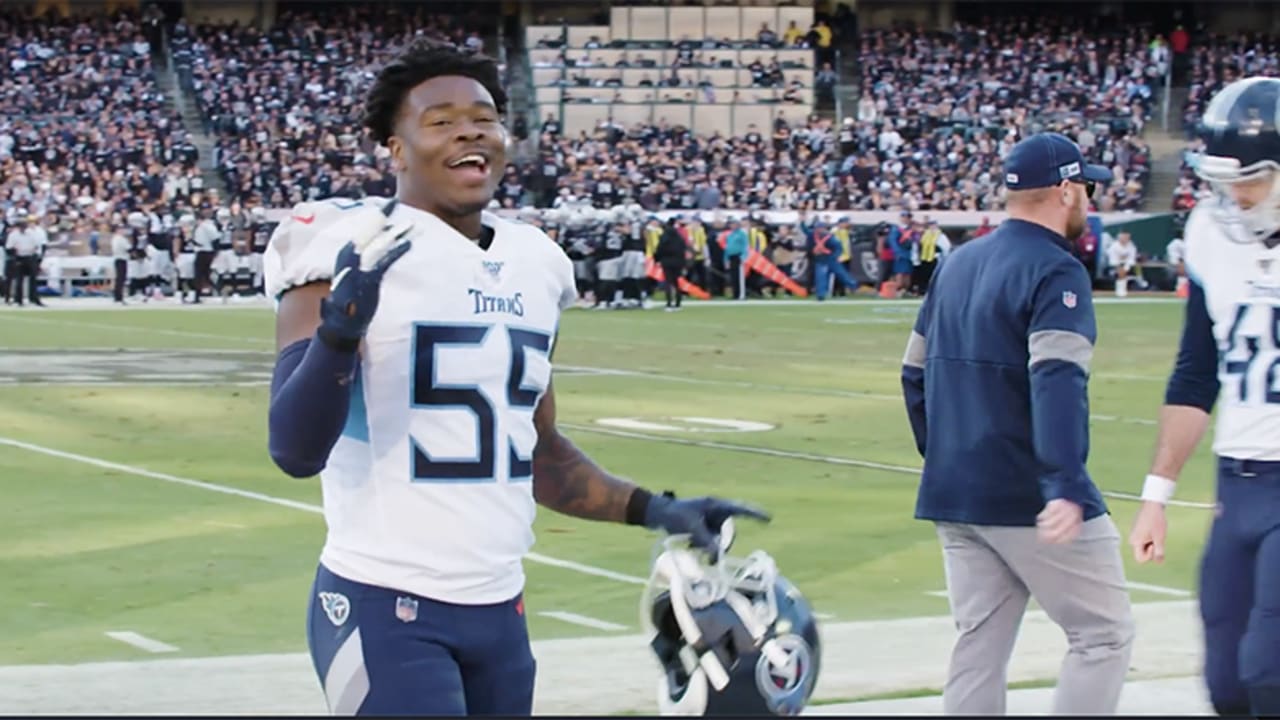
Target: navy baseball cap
(1046, 159)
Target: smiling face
(449, 149)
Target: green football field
(139, 496)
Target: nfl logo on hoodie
(1068, 298)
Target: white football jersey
(1241, 283)
(429, 489)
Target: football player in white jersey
(1229, 356)
(415, 339)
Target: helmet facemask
(715, 622)
(1243, 225)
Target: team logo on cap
(1069, 171)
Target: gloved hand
(699, 518)
(357, 275)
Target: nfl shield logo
(1068, 298)
(406, 609)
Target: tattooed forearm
(567, 481)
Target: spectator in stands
(283, 102)
(944, 108)
(1214, 63)
(100, 147)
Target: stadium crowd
(285, 104)
(942, 109)
(937, 112)
(106, 144)
(1213, 61)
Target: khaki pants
(991, 574)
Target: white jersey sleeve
(304, 245)
(1197, 249)
(558, 265)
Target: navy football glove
(699, 518)
(357, 275)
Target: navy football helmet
(732, 637)
(1241, 131)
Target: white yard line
(283, 502)
(1147, 587)
(859, 658)
(135, 383)
(583, 620)
(140, 329)
(141, 642)
(117, 350)
(825, 392)
(589, 371)
(1160, 589)
(814, 457)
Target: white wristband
(1158, 489)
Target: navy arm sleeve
(1194, 380)
(913, 375)
(310, 398)
(1060, 340)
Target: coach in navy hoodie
(995, 379)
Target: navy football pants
(1240, 591)
(382, 652)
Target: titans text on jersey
(429, 488)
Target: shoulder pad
(1201, 233)
(299, 251)
(555, 260)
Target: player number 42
(428, 392)
(1239, 363)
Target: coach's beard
(1077, 223)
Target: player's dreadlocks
(420, 61)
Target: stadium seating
(285, 104)
(104, 145)
(1214, 63)
(668, 105)
(704, 68)
(948, 104)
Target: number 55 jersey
(429, 489)
(1233, 329)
